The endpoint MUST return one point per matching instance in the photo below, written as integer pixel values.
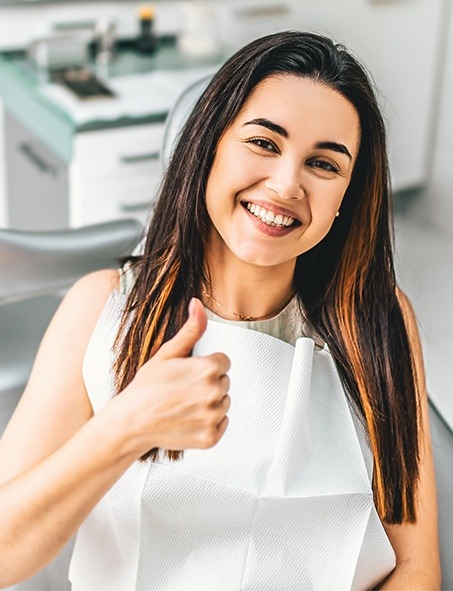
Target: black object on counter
(147, 38)
(83, 83)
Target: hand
(180, 402)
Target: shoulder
(410, 321)
(79, 311)
(89, 294)
(406, 308)
(98, 282)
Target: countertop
(145, 88)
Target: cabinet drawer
(36, 181)
(118, 152)
(107, 199)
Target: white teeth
(268, 217)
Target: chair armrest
(34, 263)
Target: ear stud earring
(337, 214)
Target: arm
(57, 460)
(40, 468)
(416, 544)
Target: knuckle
(222, 360)
(208, 438)
(206, 366)
(227, 361)
(214, 396)
(227, 402)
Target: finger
(221, 427)
(224, 383)
(226, 403)
(184, 341)
(221, 361)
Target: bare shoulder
(92, 289)
(74, 321)
(55, 404)
(406, 308)
(79, 311)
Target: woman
(273, 217)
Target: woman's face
(280, 171)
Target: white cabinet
(114, 173)
(36, 181)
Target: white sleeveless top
(282, 503)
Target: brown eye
(324, 165)
(264, 144)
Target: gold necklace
(245, 318)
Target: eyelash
(259, 141)
(327, 166)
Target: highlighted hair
(345, 284)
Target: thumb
(184, 341)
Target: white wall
(440, 197)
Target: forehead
(305, 107)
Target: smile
(269, 217)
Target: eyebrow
(269, 125)
(334, 146)
(341, 148)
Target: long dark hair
(345, 284)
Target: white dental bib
(282, 503)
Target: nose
(285, 179)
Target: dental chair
(36, 268)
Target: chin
(262, 260)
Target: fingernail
(191, 306)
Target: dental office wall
(439, 200)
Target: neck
(238, 290)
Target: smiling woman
(272, 230)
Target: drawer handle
(28, 151)
(139, 157)
(135, 206)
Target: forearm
(411, 576)
(43, 507)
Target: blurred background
(85, 88)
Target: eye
(324, 165)
(264, 144)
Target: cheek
(324, 208)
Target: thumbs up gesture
(180, 402)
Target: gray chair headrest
(174, 123)
(178, 115)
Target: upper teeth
(269, 217)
